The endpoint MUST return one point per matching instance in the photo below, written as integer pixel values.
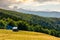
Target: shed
(15, 29)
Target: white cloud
(35, 5)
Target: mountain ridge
(41, 13)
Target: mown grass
(24, 35)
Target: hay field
(24, 35)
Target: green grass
(24, 35)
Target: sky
(32, 5)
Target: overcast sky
(34, 5)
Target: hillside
(24, 35)
(29, 22)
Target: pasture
(24, 35)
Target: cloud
(48, 0)
(34, 5)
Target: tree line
(23, 25)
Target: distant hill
(41, 13)
(42, 22)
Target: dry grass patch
(24, 35)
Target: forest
(29, 22)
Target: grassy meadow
(24, 35)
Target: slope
(36, 23)
(25, 35)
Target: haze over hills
(41, 13)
